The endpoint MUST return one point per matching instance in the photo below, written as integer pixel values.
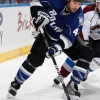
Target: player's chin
(73, 11)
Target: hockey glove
(41, 20)
(54, 50)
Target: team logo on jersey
(81, 20)
(1, 18)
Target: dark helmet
(80, 1)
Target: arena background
(16, 28)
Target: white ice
(39, 85)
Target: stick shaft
(56, 67)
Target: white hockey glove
(41, 20)
(54, 50)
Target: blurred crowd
(27, 1)
(14, 1)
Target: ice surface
(39, 85)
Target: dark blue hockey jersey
(62, 26)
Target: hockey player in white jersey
(91, 35)
(62, 21)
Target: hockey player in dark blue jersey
(62, 21)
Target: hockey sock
(22, 75)
(67, 67)
(94, 65)
(78, 74)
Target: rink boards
(15, 31)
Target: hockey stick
(56, 67)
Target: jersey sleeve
(37, 5)
(86, 27)
(89, 12)
(70, 34)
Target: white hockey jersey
(91, 26)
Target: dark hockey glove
(41, 20)
(54, 50)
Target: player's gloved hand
(54, 51)
(41, 20)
